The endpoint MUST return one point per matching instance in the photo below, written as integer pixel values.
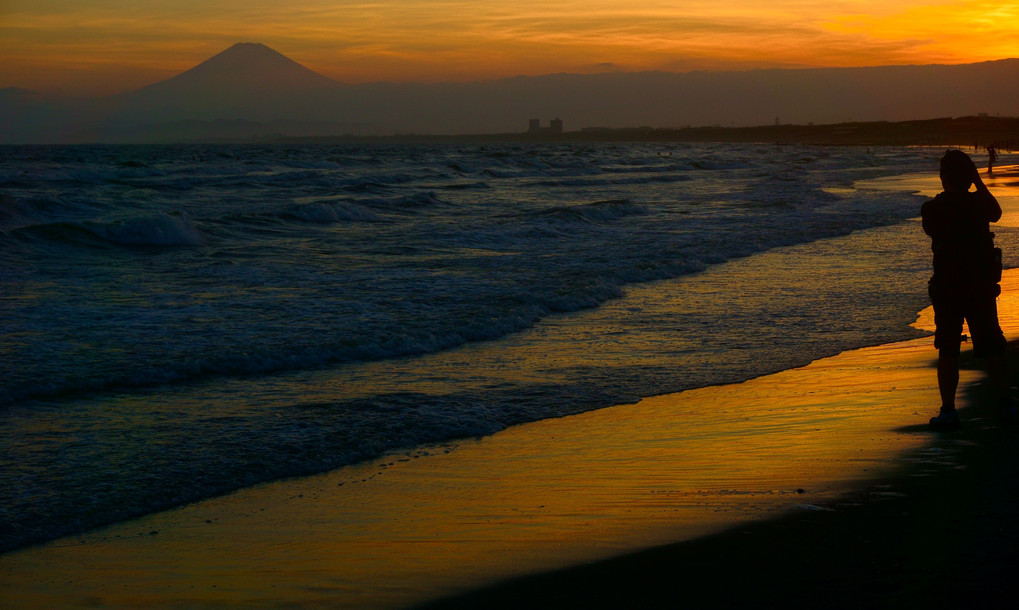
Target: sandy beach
(940, 534)
(819, 486)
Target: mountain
(248, 81)
(245, 65)
(250, 90)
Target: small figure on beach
(992, 156)
(967, 269)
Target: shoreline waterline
(518, 285)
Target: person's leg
(989, 343)
(948, 378)
(948, 381)
(948, 317)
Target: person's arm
(927, 217)
(987, 200)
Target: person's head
(957, 170)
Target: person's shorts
(979, 307)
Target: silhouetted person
(992, 156)
(967, 269)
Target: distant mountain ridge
(247, 81)
(247, 63)
(257, 91)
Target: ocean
(178, 322)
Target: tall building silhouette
(555, 127)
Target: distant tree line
(972, 131)
(978, 132)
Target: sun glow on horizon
(103, 46)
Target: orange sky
(106, 46)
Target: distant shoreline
(977, 131)
(964, 132)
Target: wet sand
(942, 534)
(816, 485)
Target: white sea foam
(562, 252)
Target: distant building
(555, 127)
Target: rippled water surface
(181, 321)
